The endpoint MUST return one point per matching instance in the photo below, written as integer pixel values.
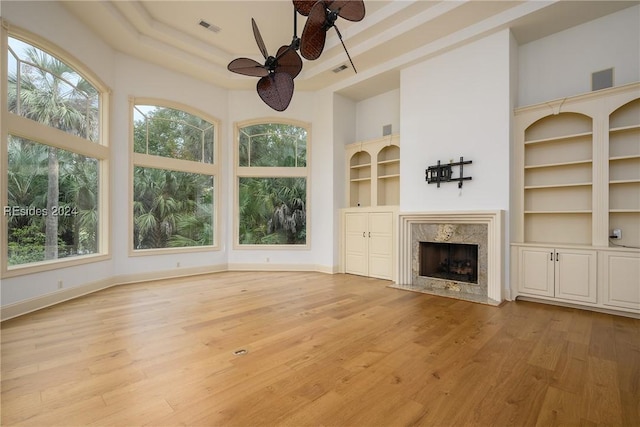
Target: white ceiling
(393, 34)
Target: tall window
(174, 177)
(272, 176)
(56, 159)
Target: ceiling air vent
(208, 26)
(340, 68)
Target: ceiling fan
(322, 15)
(275, 86)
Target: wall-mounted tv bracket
(444, 173)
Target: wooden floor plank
(320, 350)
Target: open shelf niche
(624, 172)
(374, 172)
(360, 179)
(558, 163)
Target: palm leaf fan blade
(314, 34)
(289, 61)
(276, 90)
(258, 37)
(351, 10)
(247, 67)
(304, 6)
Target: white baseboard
(282, 267)
(10, 311)
(125, 279)
(16, 309)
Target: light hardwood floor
(322, 349)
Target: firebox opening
(450, 261)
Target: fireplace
(449, 261)
(452, 254)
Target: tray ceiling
(393, 35)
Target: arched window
(272, 177)
(174, 177)
(55, 156)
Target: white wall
(344, 132)
(458, 104)
(375, 112)
(560, 65)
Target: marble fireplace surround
(484, 228)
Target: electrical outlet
(60, 284)
(267, 259)
(617, 233)
(178, 264)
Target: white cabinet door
(356, 253)
(621, 277)
(569, 274)
(369, 245)
(575, 275)
(537, 271)
(380, 239)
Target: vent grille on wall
(386, 130)
(208, 26)
(602, 79)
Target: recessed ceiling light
(208, 26)
(340, 68)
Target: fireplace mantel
(495, 263)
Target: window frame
(179, 165)
(23, 127)
(269, 172)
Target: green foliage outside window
(273, 145)
(172, 208)
(52, 193)
(166, 132)
(272, 209)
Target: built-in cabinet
(369, 224)
(576, 179)
(369, 243)
(568, 274)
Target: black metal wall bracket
(444, 173)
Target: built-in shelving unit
(576, 179)
(624, 172)
(368, 224)
(558, 179)
(374, 172)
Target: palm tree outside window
(55, 159)
(272, 177)
(174, 177)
